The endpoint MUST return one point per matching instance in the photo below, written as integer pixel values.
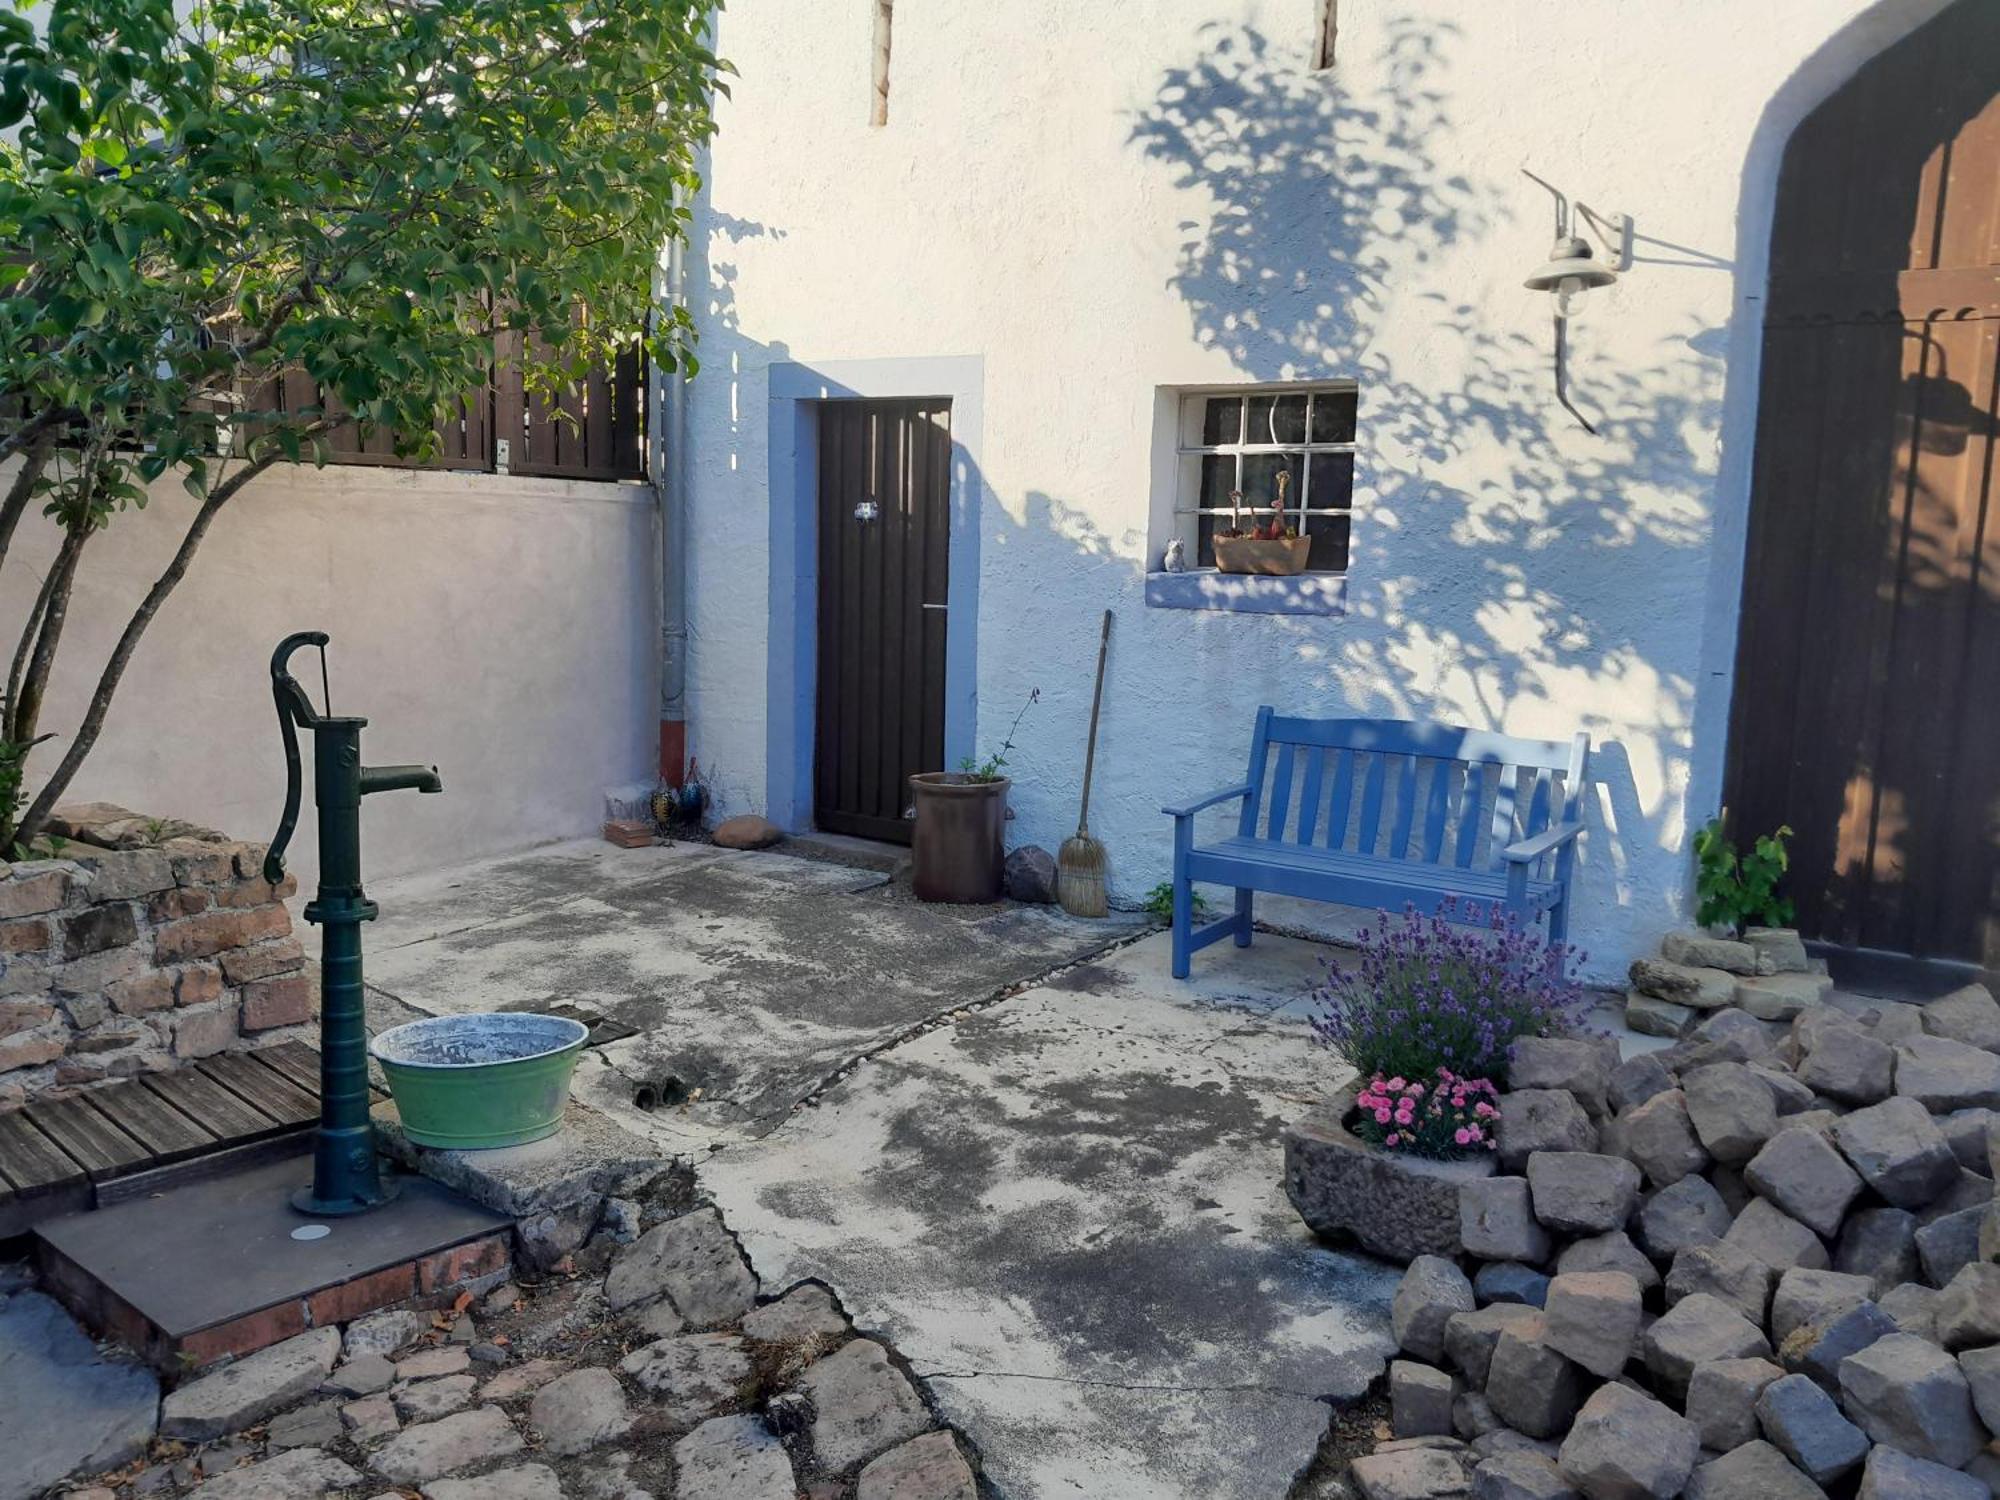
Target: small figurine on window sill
(1175, 559)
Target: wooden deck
(59, 1155)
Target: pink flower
(1492, 1145)
(1484, 1111)
(1416, 1090)
(1381, 1117)
(1462, 1136)
(1392, 1139)
(1474, 1133)
(1396, 1082)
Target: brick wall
(145, 945)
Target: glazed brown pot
(959, 849)
(1278, 557)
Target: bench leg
(1183, 899)
(1559, 920)
(1243, 925)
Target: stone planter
(1349, 1192)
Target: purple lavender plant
(1433, 993)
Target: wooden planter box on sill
(1282, 557)
(1390, 1203)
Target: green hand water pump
(346, 1179)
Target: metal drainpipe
(670, 480)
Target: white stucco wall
(1102, 200)
(502, 629)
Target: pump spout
(399, 778)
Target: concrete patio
(1006, 1138)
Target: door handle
(937, 606)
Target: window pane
(1276, 419)
(1332, 481)
(1218, 478)
(1260, 482)
(1221, 420)
(1329, 542)
(1333, 416)
(1205, 544)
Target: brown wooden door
(884, 524)
(1867, 700)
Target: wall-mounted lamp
(1571, 270)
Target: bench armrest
(1188, 810)
(1528, 850)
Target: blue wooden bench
(1427, 792)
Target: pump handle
(294, 708)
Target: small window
(1237, 443)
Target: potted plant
(959, 846)
(1428, 1017)
(1273, 548)
(1735, 892)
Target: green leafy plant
(343, 201)
(1159, 903)
(1735, 890)
(990, 768)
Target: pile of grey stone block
(1766, 972)
(1760, 1264)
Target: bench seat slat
(1350, 879)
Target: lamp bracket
(1612, 231)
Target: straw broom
(1081, 861)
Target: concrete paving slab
(1065, 1208)
(63, 1405)
(750, 977)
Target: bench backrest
(1428, 793)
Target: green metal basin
(470, 1083)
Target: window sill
(1248, 593)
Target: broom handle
(1096, 698)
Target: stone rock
(1755, 1471)
(1534, 1120)
(1912, 1307)
(1881, 1244)
(733, 1458)
(487, 1353)
(1658, 1135)
(1504, 1439)
(1510, 1282)
(1806, 1296)
(429, 1364)
(862, 1404)
(1636, 1080)
(382, 1333)
(1722, 1400)
(1531, 1387)
(1392, 1204)
(1801, 1173)
(1898, 1150)
(1732, 1110)
(1791, 1096)
(1981, 1369)
(231, 1398)
(1578, 1064)
(370, 1419)
(1780, 997)
(363, 1375)
(1627, 1446)
(519, 1379)
(299, 1474)
(1432, 1289)
(1690, 1212)
(582, 1410)
(1986, 1469)
(1471, 1337)
(1726, 1272)
(1943, 1075)
(417, 1455)
(1967, 1131)
(1695, 1330)
(746, 831)
(1697, 950)
(1728, 1035)
(1892, 1021)
(1581, 1192)
(521, 1482)
(1802, 1422)
(1030, 875)
(1968, 1309)
(925, 1468)
(1945, 1246)
(1850, 1066)
(63, 1407)
(1911, 1395)
(1696, 987)
(693, 1263)
(803, 1314)
(1649, 1015)
(694, 1376)
(1969, 1015)
(1592, 1318)
(311, 1426)
(1609, 1252)
(1780, 948)
(1496, 1221)
(1892, 1475)
(1816, 1349)
(1776, 1238)
(1472, 1414)
(1409, 1474)
(1420, 1398)
(1520, 1476)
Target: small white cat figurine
(1175, 560)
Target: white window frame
(1191, 450)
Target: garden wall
(146, 946)
(499, 627)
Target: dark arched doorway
(1867, 700)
